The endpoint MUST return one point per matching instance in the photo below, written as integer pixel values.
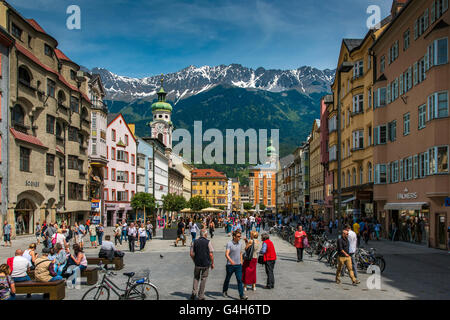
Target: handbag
(305, 242)
(248, 254)
(261, 259)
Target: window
(358, 139)
(122, 176)
(421, 25)
(380, 174)
(380, 135)
(75, 191)
(358, 103)
(358, 69)
(73, 134)
(382, 64)
(392, 130)
(51, 88)
(393, 52)
(74, 104)
(416, 166)
(349, 179)
(438, 105)
(16, 31)
(406, 124)
(437, 9)
(408, 168)
(354, 176)
(369, 98)
(369, 138)
(126, 139)
(394, 172)
(132, 159)
(422, 116)
(421, 70)
(361, 175)
(113, 195)
(24, 77)
(113, 153)
(121, 155)
(406, 40)
(113, 133)
(332, 153)
(73, 74)
(441, 51)
(438, 160)
(50, 124)
(113, 174)
(332, 124)
(48, 50)
(73, 162)
(25, 159)
(380, 98)
(18, 115)
(50, 167)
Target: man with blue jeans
(233, 253)
(7, 233)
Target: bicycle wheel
(381, 263)
(97, 293)
(142, 291)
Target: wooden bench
(55, 289)
(117, 261)
(91, 274)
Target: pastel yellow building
(211, 185)
(236, 204)
(356, 126)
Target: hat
(45, 250)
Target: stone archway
(24, 213)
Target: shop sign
(95, 205)
(447, 202)
(406, 195)
(29, 183)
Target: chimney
(397, 6)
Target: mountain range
(192, 81)
(226, 97)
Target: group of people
(135, 231)
(244, 224)
(242, 258)
(51, 264)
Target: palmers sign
(406, 195)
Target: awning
(348, 200)
(405, 205)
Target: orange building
(262, 179)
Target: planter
(169, 234)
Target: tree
(262, 206)
(197, 203)
(248, 206)
(143, 201)
(174, 202)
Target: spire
(162, 94)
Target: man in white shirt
(352, 245)
(20, 267)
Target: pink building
(325, 157)
(120, 175)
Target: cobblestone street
(412, 272)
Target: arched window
(160, 137)
(361, 175)
(24, 76)
(354, 176)
(343, 180)
(349, 179)
(18, 115)
(369, 172)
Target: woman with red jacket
(299, 238)
(270, 256)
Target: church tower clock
(161, 127)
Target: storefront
(24, 217)
(116, 212)
(409, 222)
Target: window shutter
(401, 169)
(444, 5)
(416, 29)
(415, 74)
(388, 171)
(401, 84)
(433, 10)
(409, 78)
(388, 94)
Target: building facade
(285, 180)
(235, 194)
(97, 147)
(411, 123)
(328, 186)
(6, 42)
(211, 185)
(49, 128)
(120, 177)
(316, 175)
(175, 181)
(185, 168)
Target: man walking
(203, 257)
(270, 256)
(352, 245)
(7, 233)
(131, 236)
(233, 253)
(344, 258)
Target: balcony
(357, 154)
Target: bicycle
(140, 289)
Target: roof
(266, 166)
(116, 116)
(61, 56)
(36, 25)
(207, 173)
(26, 138)
(111, 117)
(235, 180)
(352, 43)
(286, 161)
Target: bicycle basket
(141, 276)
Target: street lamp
(344, 67)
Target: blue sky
(140, 38)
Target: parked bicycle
(135, 289)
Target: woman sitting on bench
(77, 262)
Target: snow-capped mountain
(192, 80)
